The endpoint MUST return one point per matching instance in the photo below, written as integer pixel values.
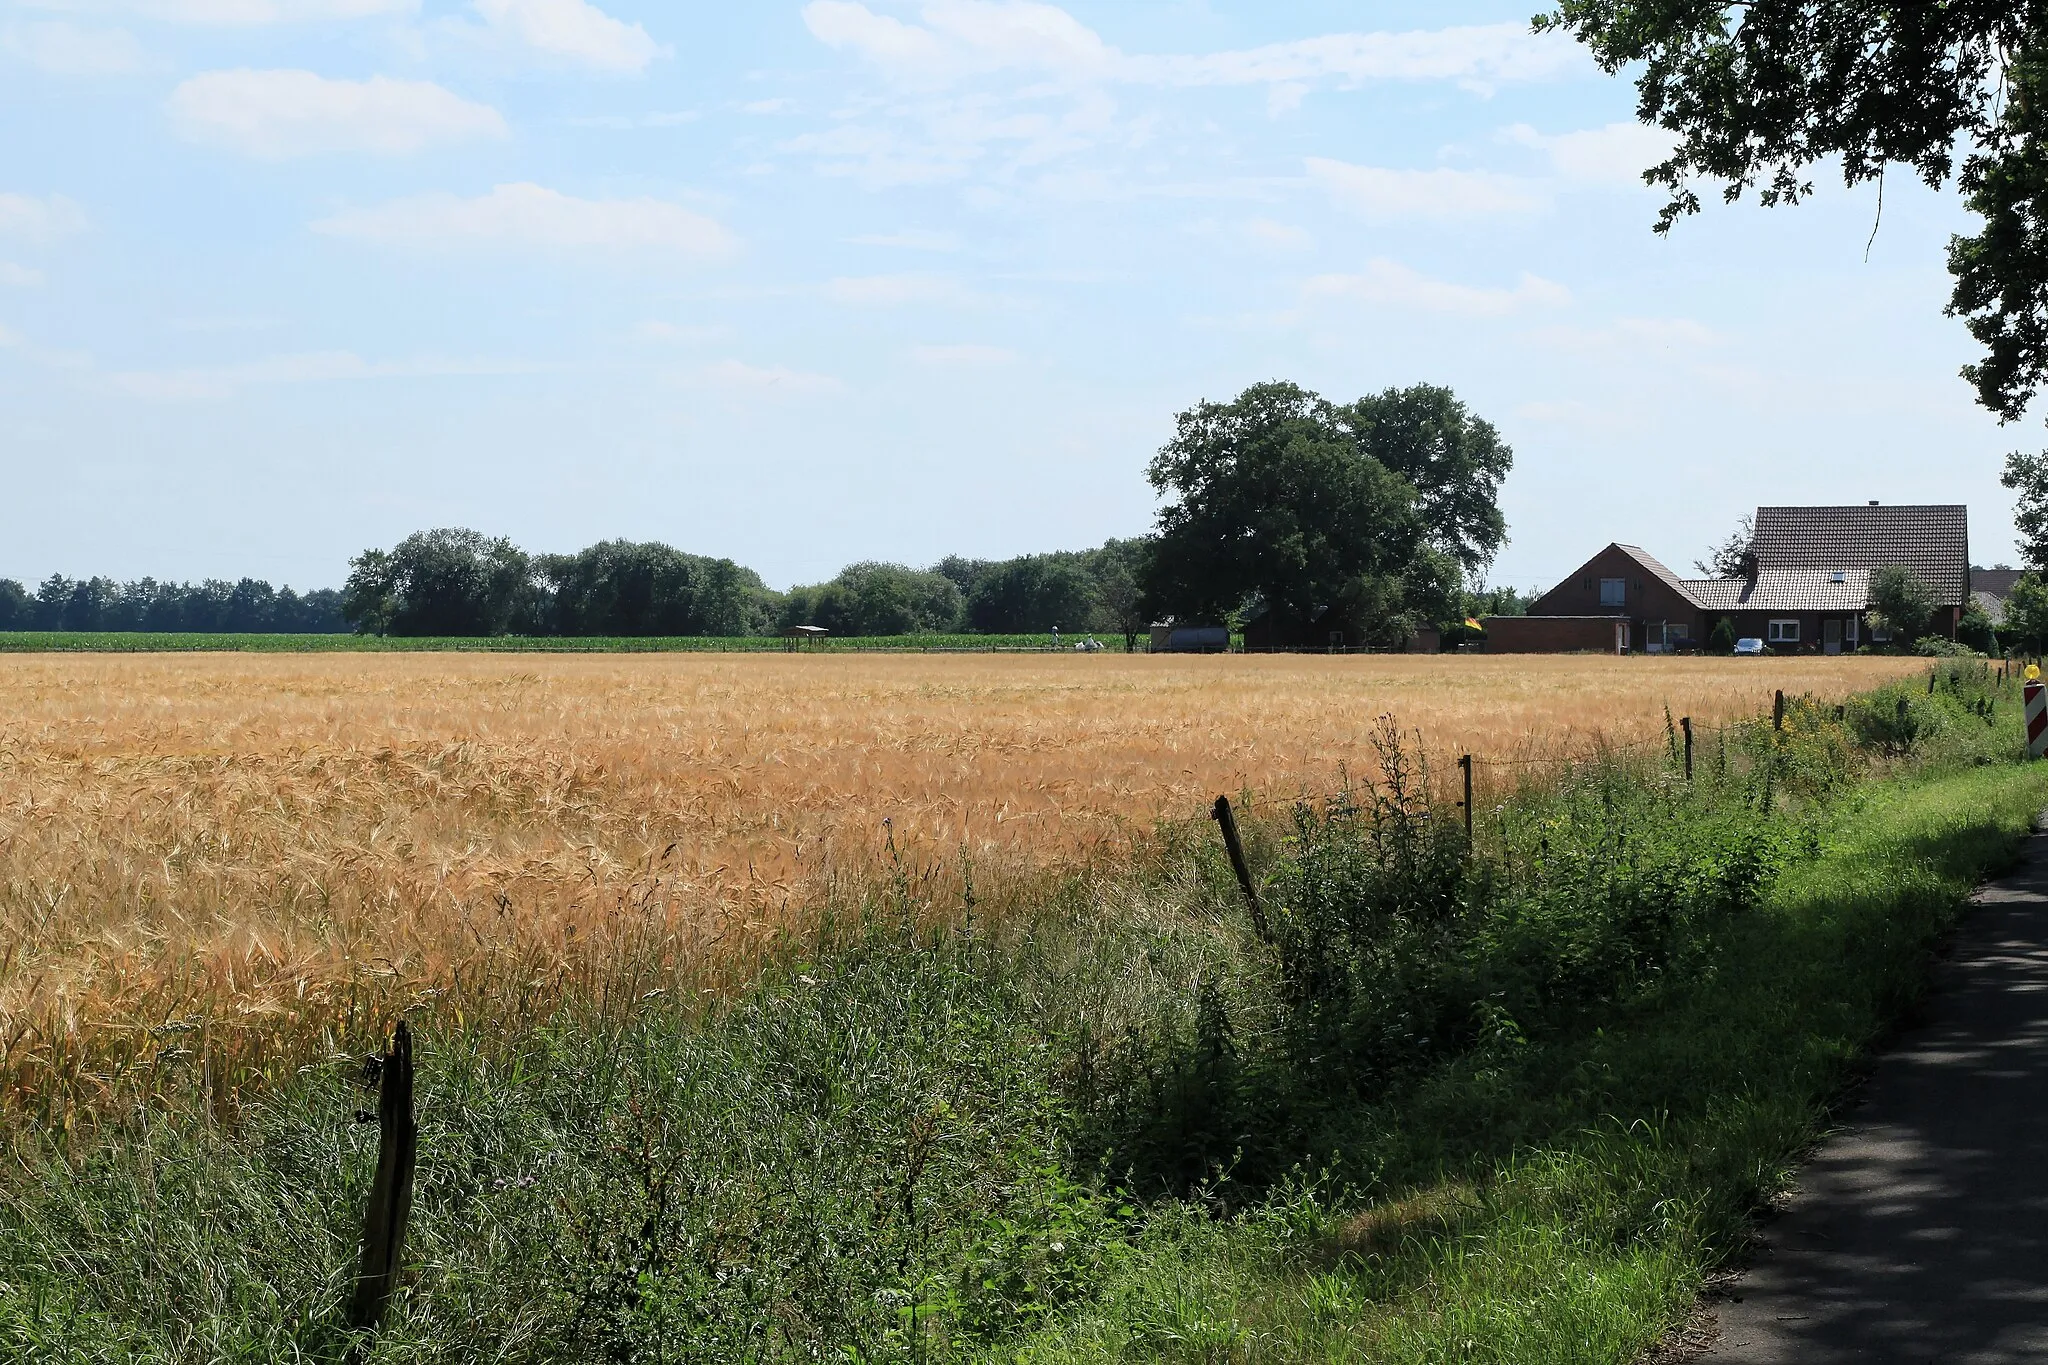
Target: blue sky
(809, 283)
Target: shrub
(1901, 601)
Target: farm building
(1991, 587)
(1805, 585)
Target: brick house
(1805, 586)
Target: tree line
(460, 582)
(1284, 513)
(215, 606)
(1300, 520)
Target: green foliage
(2027, 476)
(1974, 631)
(618, 588)
(1315, 514)
(1760, 94)
(451, 581)
(2001, 273)
(1453, 460)
(250, 606)
(1033, 593)
(2026, 617)
(1734, 557)
(1121, 569)
(1901, 603)
(877, 599)
(1721, 639)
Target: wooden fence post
(391, 1193)
(1778, 711)
(1234, 846)
(1465, 762)
(1685, 724)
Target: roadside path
(1920, 1233)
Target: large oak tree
(1281, 501)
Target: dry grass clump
(243, 850)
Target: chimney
(1873, 502)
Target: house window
(1784, 633)
(1613, 592)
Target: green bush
(1721, 640)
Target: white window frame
(1784, 631)
(1620, 597)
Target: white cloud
(888, 291)
(877, 37)
(774, 106)
(259, 12)
(1391, 284)
(959, 38)
(1634, 334)
(529, 215)
(740, 377)
(14, 276)
(1480, 55)
(1276, 236)
(1616, 154)
(964, 356)
(911, 239)
(881, 159)
(277, 114)
(1379, 192)
(572, 30)
(39, 220)
(66, 50)
(312, 367)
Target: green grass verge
(142, 642)
(1565, 1202)
(1118, 1128)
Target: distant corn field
(233, 857)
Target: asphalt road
(1920, 1232)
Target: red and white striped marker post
(2037, 716)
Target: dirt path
(1920, 1233)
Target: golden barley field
(234, 843)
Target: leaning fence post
(1234, 846)
(1465, 762)
(391, 1192)
(1778, 711)
(1685, 724)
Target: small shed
(803, 637)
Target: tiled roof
(1932, 540)
(1784, 590)
(1649, 561)
(1994, 582)
(1993, 605)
